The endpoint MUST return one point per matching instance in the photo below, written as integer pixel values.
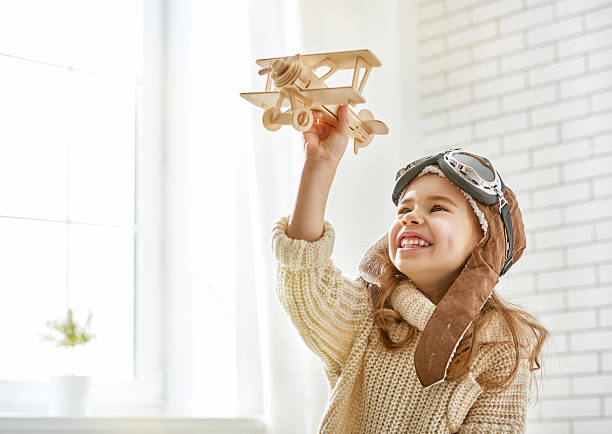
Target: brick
(558, 344)
(569, 321)
(590, 384)
(432, 85)
(606, 361)
(556, 71)
(539, 427)
(566, 236)
(473, 73)
(605, 273)
(499, 86)
(595, 209)
(560, 111)
(572, 6)
(445, 62)
(589, 297)
(527, 59)
(535, 178)
(494, 9)
(501, 125)
(592, 426)
(554, 31)
(600, 59)
(540, 302)
(429, 11)
(597, 340)
(457, 5)
(604, 426)
(567, 278)
(601, 101)
(599, 18)
(602, 144)
(485, 147)
(586, 84)
(449, 137)
(497, 48)
(526, 19)
(561, 195)
(471, 35)
(473, 111)
(445, 100)
(541, 219)
(558, 153)
(602, 187)
(430, 123)
(589, 126)
(571, 407)
(568, 364)
(585, 43)
(530, 139)
(506, 164)
(605, 317)
(443, 25)
(516, 283)
(603, 230)
(587, 168)
(592, 253)
(529, 98)
(539, 261)
(556, 387)
(432, 47)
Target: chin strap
(504, 210)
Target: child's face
(452, 229)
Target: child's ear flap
(372, 263)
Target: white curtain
(219, 154)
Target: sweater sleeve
(500, 411)
(326, 307)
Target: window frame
(145, 395)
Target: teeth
(414, 241)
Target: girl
(419, 342)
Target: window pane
(33, 140)
(102, 146)
(102, 279)
(92, 35)
(32, 289)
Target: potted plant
(68, 394)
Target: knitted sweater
(373, 390)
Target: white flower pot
(68, 395)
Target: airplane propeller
(279, 66)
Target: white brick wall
(528, 83)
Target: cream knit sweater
(373, 390)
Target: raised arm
(327, 308)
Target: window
(71, 109)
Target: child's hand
(324, 142)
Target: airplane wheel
(267, 120)
(302, 119)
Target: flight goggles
(473, 174)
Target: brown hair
(524, 326)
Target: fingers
(343, 120)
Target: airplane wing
(333, 95)
(264, 99)
(343, 59)
(322, 96)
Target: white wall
(529, 84)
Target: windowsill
(155, 424)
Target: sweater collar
(412, 304)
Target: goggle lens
(481, 166)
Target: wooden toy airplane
(297, 85)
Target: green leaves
(71, 334)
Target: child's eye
(401, 211)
